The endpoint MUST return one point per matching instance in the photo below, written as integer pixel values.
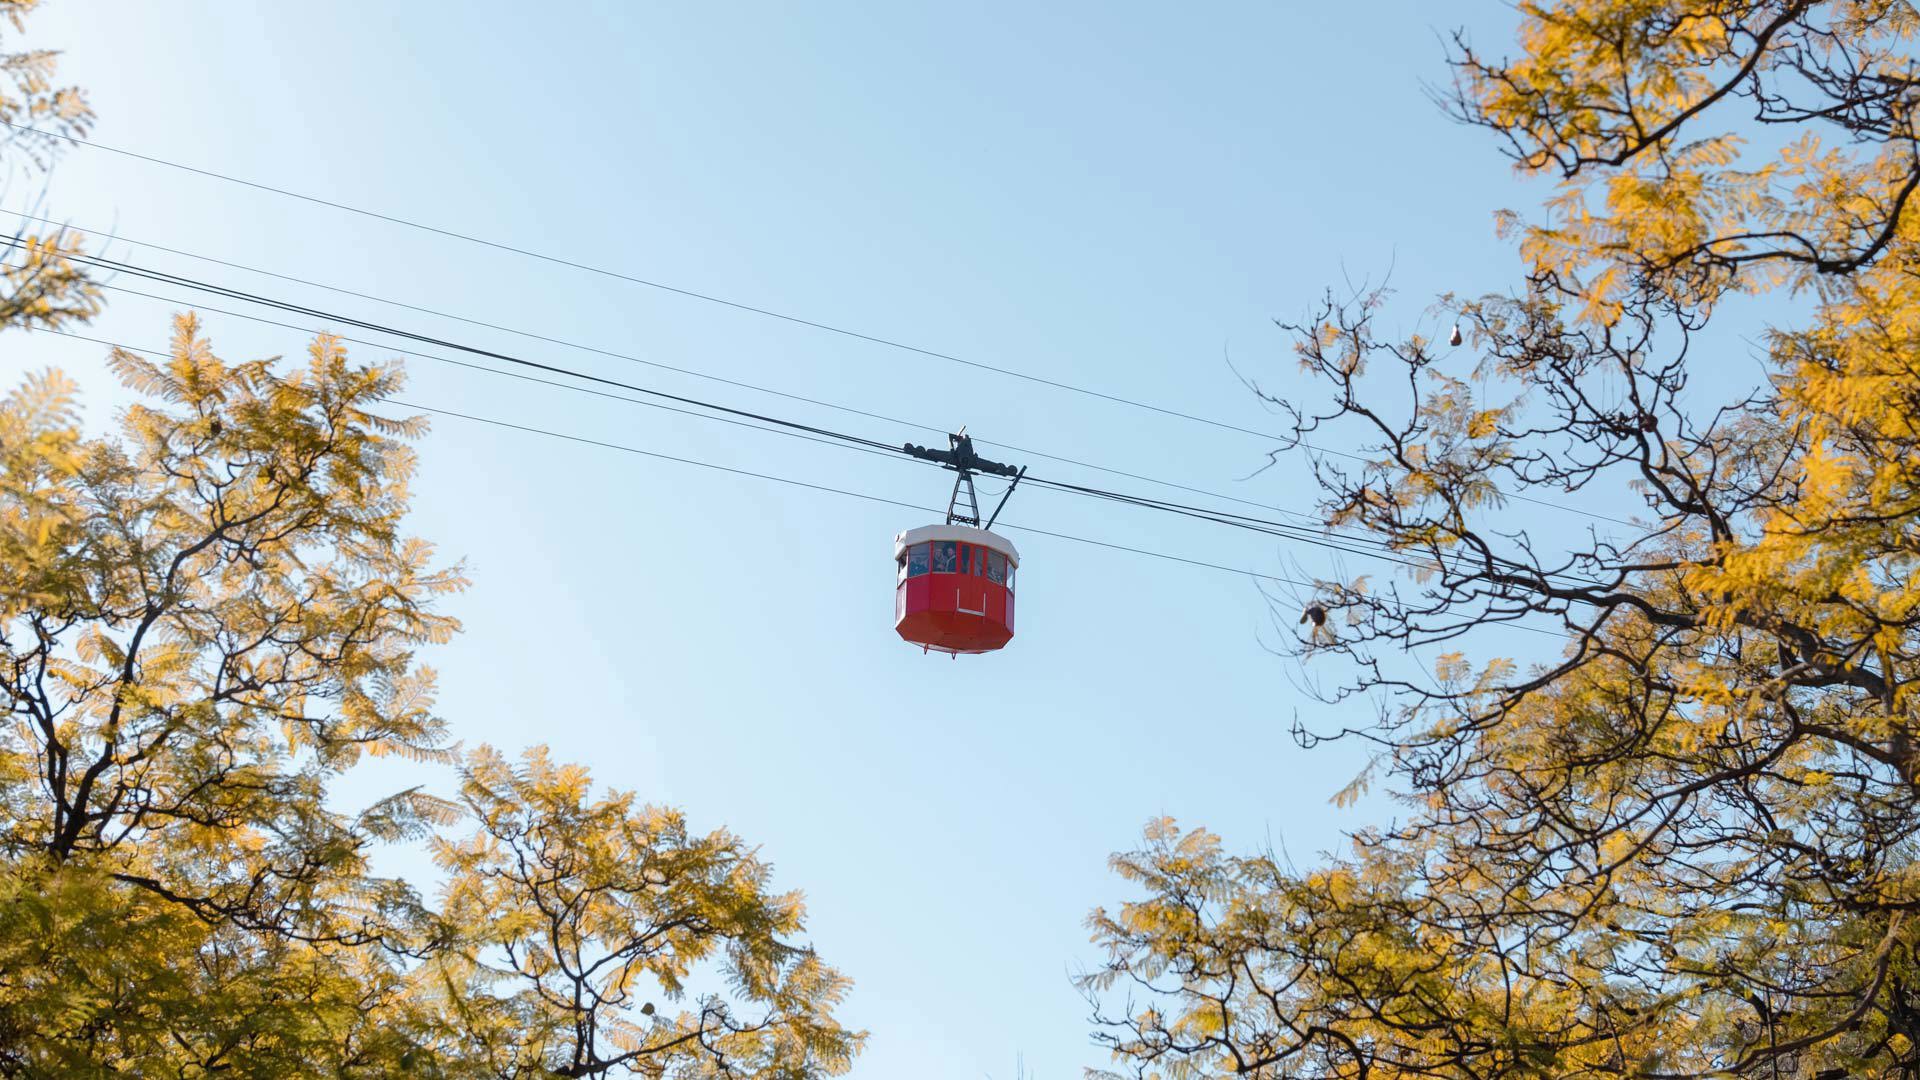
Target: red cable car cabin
(955, 588)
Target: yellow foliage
(1685, 841)
(202, 623)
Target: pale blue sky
(1119, 195)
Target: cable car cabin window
(996, 568)
(966, 558)
(1010, 569)
(917, 559)
(943, 557)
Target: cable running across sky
(709, 298)
(690, 372)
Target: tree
(198, 629)
(1681, 841)
(579, 906)
(203, 623)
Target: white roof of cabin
(963, 533)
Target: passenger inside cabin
(916, 560)
(943, 557)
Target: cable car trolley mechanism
(953, 590)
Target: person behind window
(917, 560)
(996, 568)
(943, 557)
